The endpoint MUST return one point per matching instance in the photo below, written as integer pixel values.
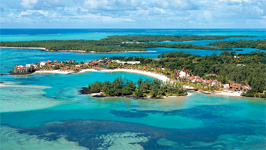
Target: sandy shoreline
(235, 94)
(151, 74)
(77, 51)
(54, 71)
(81, 51)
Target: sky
(133, 14)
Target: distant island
(259, 44)
(143, 89)
(128, 43)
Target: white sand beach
(152, 74)
(87, 70)
(229, 93)
(53, 71)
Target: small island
(122, 87)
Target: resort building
(183, 73)
(43, 63)
(24, 69)
(126, 62)
(94, 62)
(195, 79)
(226, 86)
(235, 86)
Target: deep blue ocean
(255, 32)
(46, 111)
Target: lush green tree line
(123, 87)
(227, 67)
(114, 43)
(161, 38)
(180, 45)
(56, 45)
(259, 44)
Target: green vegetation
(161, 38)
(115, 43)
(228, 67)
(180, 45)
(56, 45)
(123, 87)
(259, 44)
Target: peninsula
(224, 74)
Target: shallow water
(96, 34)
(56, 116)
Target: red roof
(66, 67)
(243, 87)
(209, 81)
(94, 62)
(235, 85)
(50, 65)
(191, 78)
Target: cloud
(33, 13)
(2, 9)
(28, 3)
(216, 13)
(113, 4)
(183, 4)
(95, 18)
(38, 5)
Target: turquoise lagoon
(96, 34)
(46, 111)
